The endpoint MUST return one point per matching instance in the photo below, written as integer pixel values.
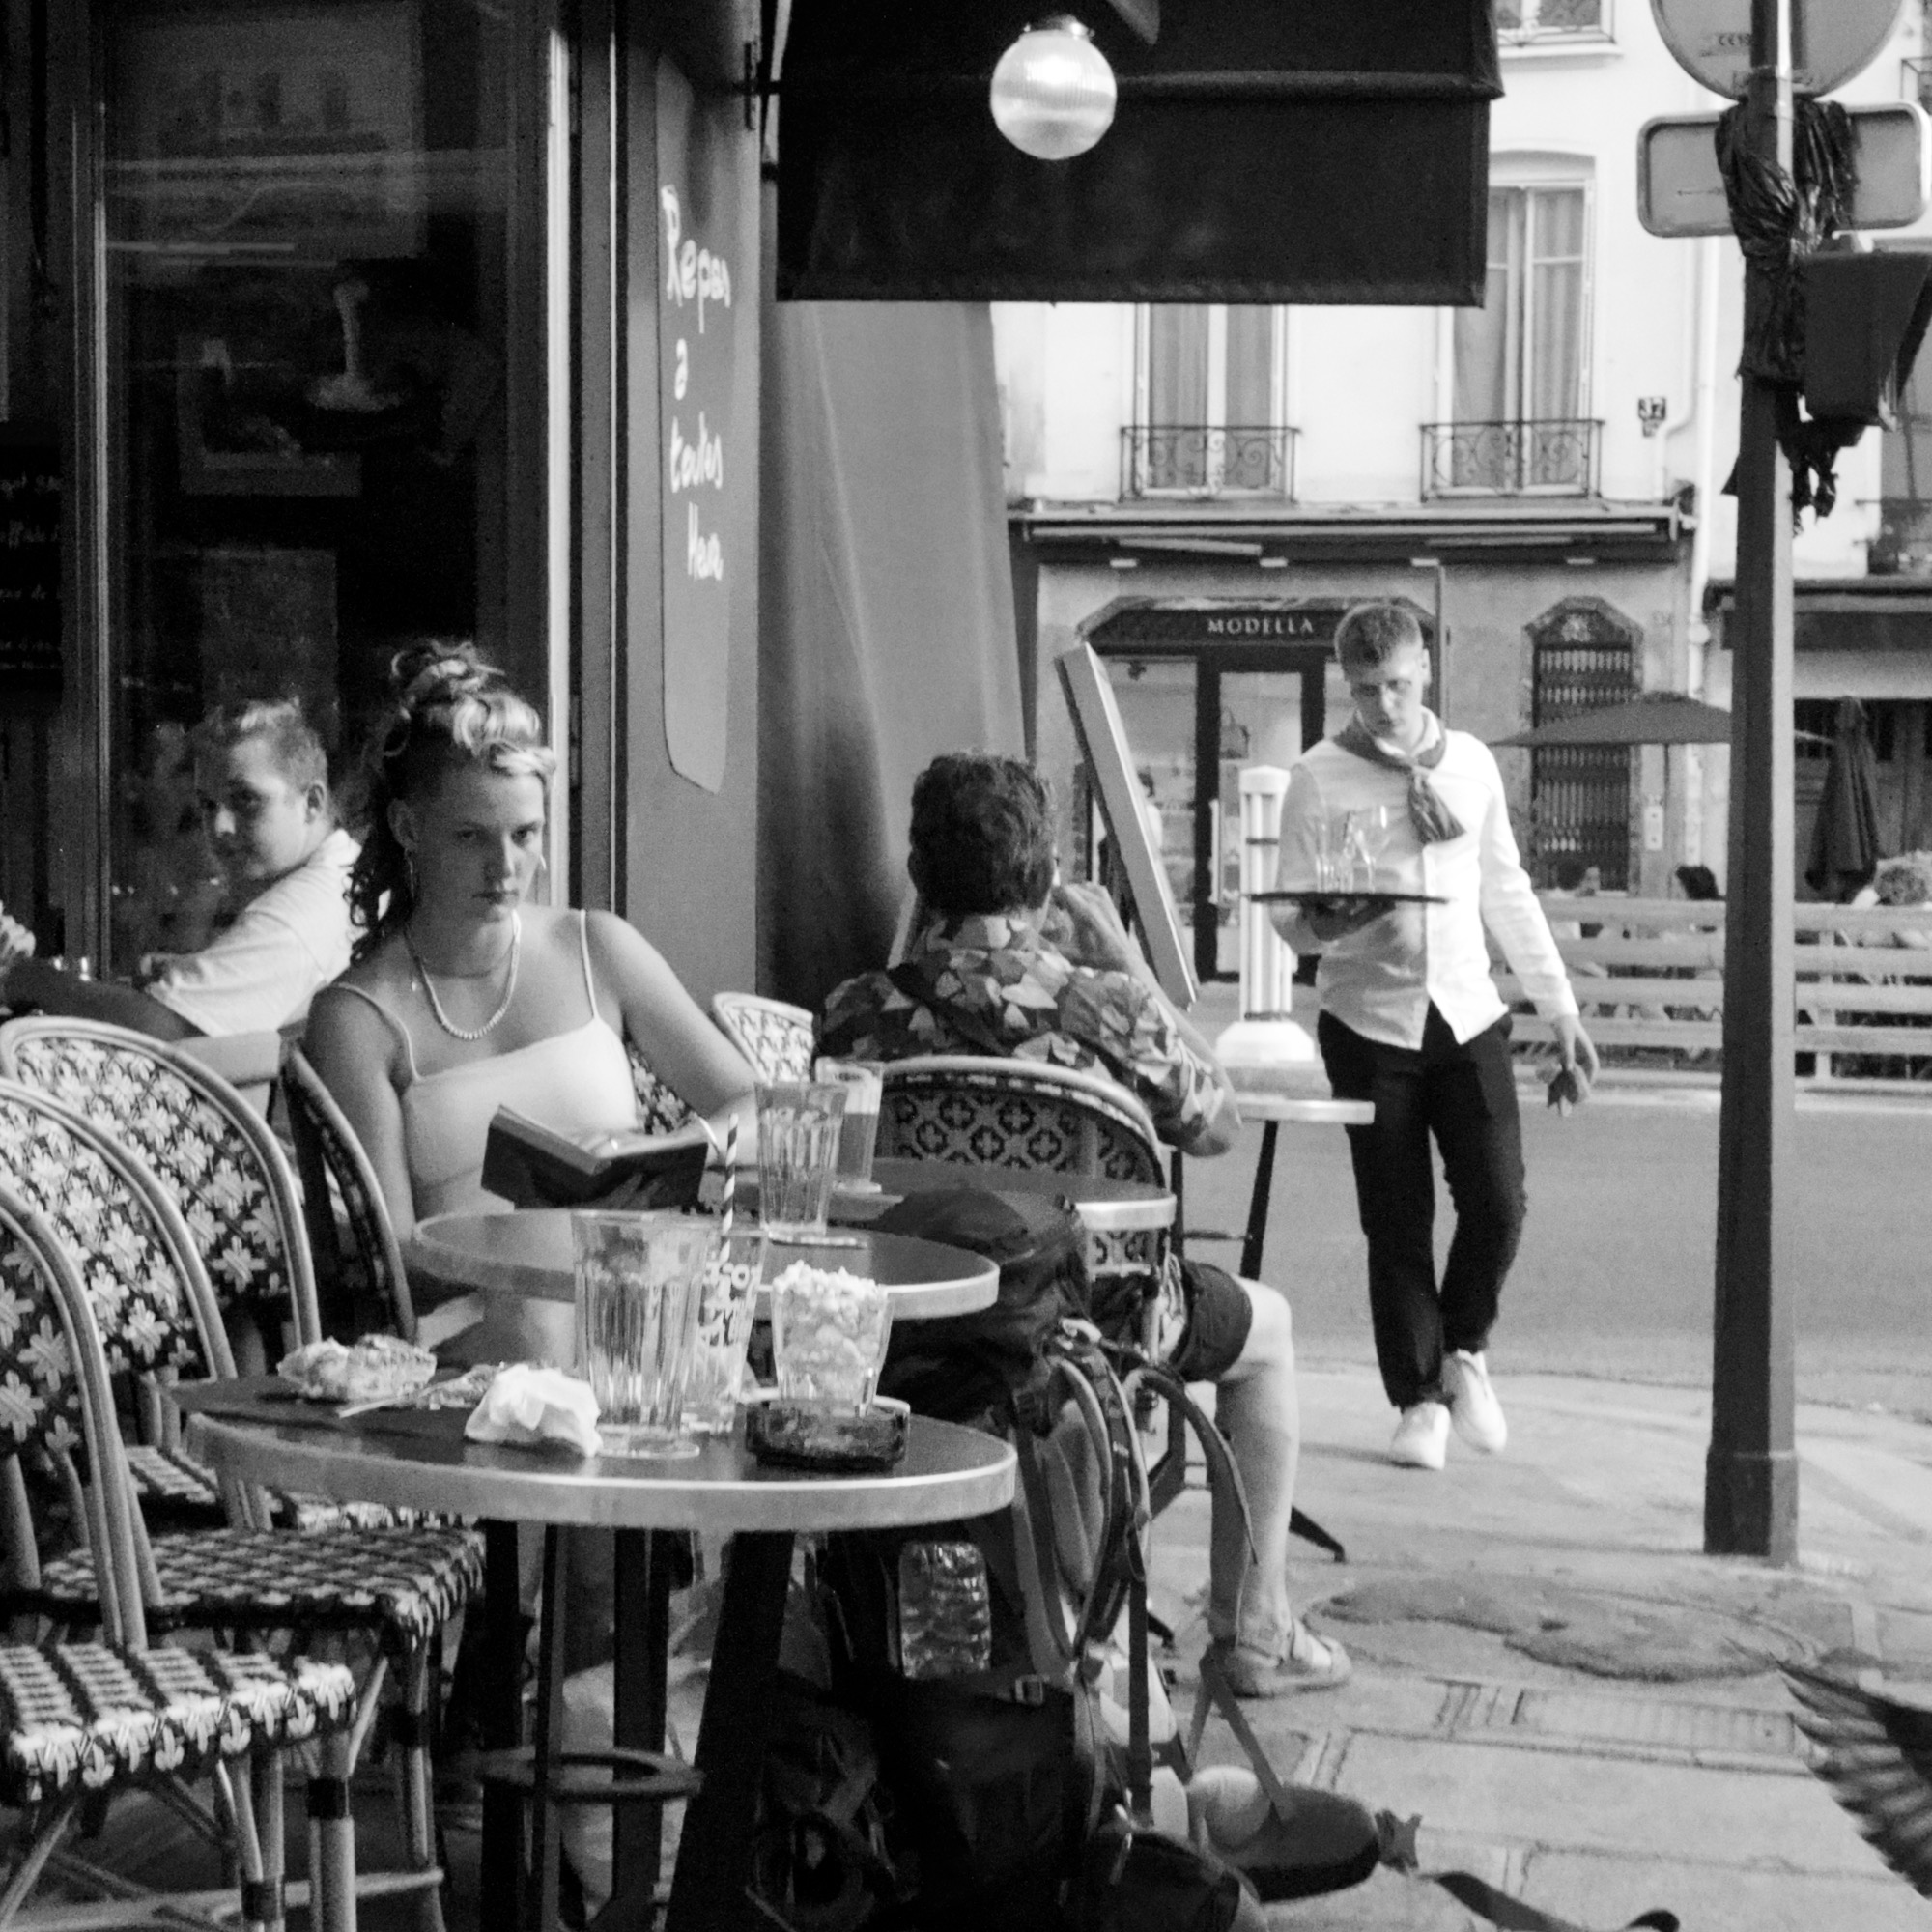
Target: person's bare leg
(1259, 1412)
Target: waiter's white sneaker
(1472, 1403)
(1421, 1437)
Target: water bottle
(946, 1611)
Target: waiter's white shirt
(1382, 980)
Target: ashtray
(799, 1436)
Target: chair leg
(271, 1831)
(331, 1841)
(414, 1777)
(40, 1847)
(239, 1795)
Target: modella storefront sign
(1181, 622)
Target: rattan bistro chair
(226, 1172)
(212, 1152)
(1031, 1113)
(775, 1037)
(394, 1589)
(82, 1720)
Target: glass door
(307, 357)
(1194, 723)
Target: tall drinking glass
(638, 1295)
(863, 1082)
(728, 1304)
(798, 1155)
(1370, 829)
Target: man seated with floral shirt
(1013, 963)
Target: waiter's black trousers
(1465, 1095)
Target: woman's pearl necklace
(442, 1019)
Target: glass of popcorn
(828, 1335)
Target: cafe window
(307, 229)
(1519, 367)
(1210, 401)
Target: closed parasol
(1844, 836)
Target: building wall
(1664, 322)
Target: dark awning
(1324, 151)
(1885, 614)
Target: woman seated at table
(463, 996)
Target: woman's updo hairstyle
(451, 710)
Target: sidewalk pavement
(1580, 1705)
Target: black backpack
(1000, 1782)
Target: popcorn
(376, 1367)
(828, 1334)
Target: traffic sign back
(1831, 40)
(1679, 190)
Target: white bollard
(1265, 1035)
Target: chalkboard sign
(708, 307)
(30, 564)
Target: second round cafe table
(255, 1430)
(519, 1262)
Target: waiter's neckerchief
(1428, 810)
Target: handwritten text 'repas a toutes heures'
(695, 280)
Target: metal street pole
(1751, 1472)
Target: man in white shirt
(1411, 1021)
(261, 779)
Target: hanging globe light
(1053, 91)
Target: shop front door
(1194, 721)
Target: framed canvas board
(1104, 746)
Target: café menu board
(708, 482)
(30, 565)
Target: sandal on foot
(1311, 1663)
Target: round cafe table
(1105, 1206)
(524, 1258)
(254, 1429)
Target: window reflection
(306, 232)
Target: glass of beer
(798, 1155)
(863, 1082)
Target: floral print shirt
(1011, 983)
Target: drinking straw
(727, 1201)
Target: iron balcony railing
(1207, 460)
(1518, 21)
(1554, 455)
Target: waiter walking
(1411, 1021)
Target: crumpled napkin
(527, 1404)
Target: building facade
(1200, 492)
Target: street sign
(1679, 190)
(1830, 40)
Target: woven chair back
(660, 1110)
(150, 1297)
(211, 1150)
(55, 1397)
(776, 1037)
(361, 1280)
(1016, 1113)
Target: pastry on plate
(377, 1367)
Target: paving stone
(1604, 1634)
(1605, 1891)
(1572, 1801)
